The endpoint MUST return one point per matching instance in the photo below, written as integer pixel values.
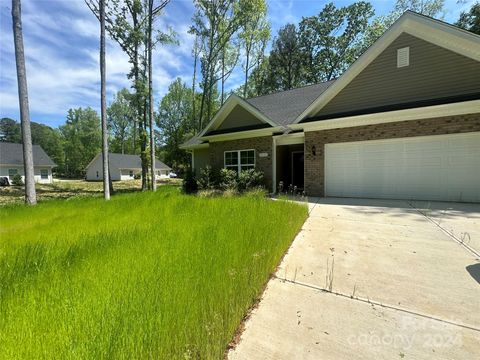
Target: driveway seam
(373, 302)
(448, 233)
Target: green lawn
(162, 276)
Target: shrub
(209, 193)
(17, 180)
(137, 176)
(228, 180)
(208, 178)
(257, 192)
(189, 184)
(250, 179)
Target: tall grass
(162, 276)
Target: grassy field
(145, 275)
(66, 189)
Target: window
(403, 57)
(12, 173)
(44, 174)
(239, 160)
(130, 173)
(97, 174)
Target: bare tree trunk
(150, 95)
(223, 76)
(247, 64)
(30, 195)
(195, 58)
(106, 183)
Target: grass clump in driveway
(147, 275)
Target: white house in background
(122, 167)
(11, 163)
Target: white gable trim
(243, 134)
(461, 108)
(227, 107)
(433, 31)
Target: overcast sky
(61, 45)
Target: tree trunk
(150, 95)
(246, 74)
(194, 120)
(30, 195)
(223, 76)
(106, 184)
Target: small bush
(189, 184)
(17, 180)
(257, 192)
(208, 178)
(250, 179)
(228, 180)
(137, 176)
(209, 193)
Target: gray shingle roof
(285, 106)
(12, 154)
(281, 107)
(124, 161)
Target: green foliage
(285, 60)
(51, 141)
(176, 123)
(328, 39)
(10, 131)
(208, 178)
(17, 180)
(250, 179)
(189, 184)
(470, 20)
(228, 180)
(121, 122)
(145, 275)
(82, 140)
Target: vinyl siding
(36, 173)
(239, 117)
(434, 72)
(201, 158)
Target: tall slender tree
(103, 104)
(150, 96)
(30, 194)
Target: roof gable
(433, 73)
(232, 102)
(12, 154)
(419, 26)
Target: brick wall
(314, 165)
(260, 144)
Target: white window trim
(239, 164)
(44, 178)
(11, 176)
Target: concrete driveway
(374, 279)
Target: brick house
(403, 122)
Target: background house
(122, 167)
(11, 162)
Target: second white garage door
(442, 167)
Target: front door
(297, 169)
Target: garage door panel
(442, 167)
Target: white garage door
(442, 167)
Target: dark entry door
(297, 169)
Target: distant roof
(284, 107)
(124, 161)
(12, 154)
